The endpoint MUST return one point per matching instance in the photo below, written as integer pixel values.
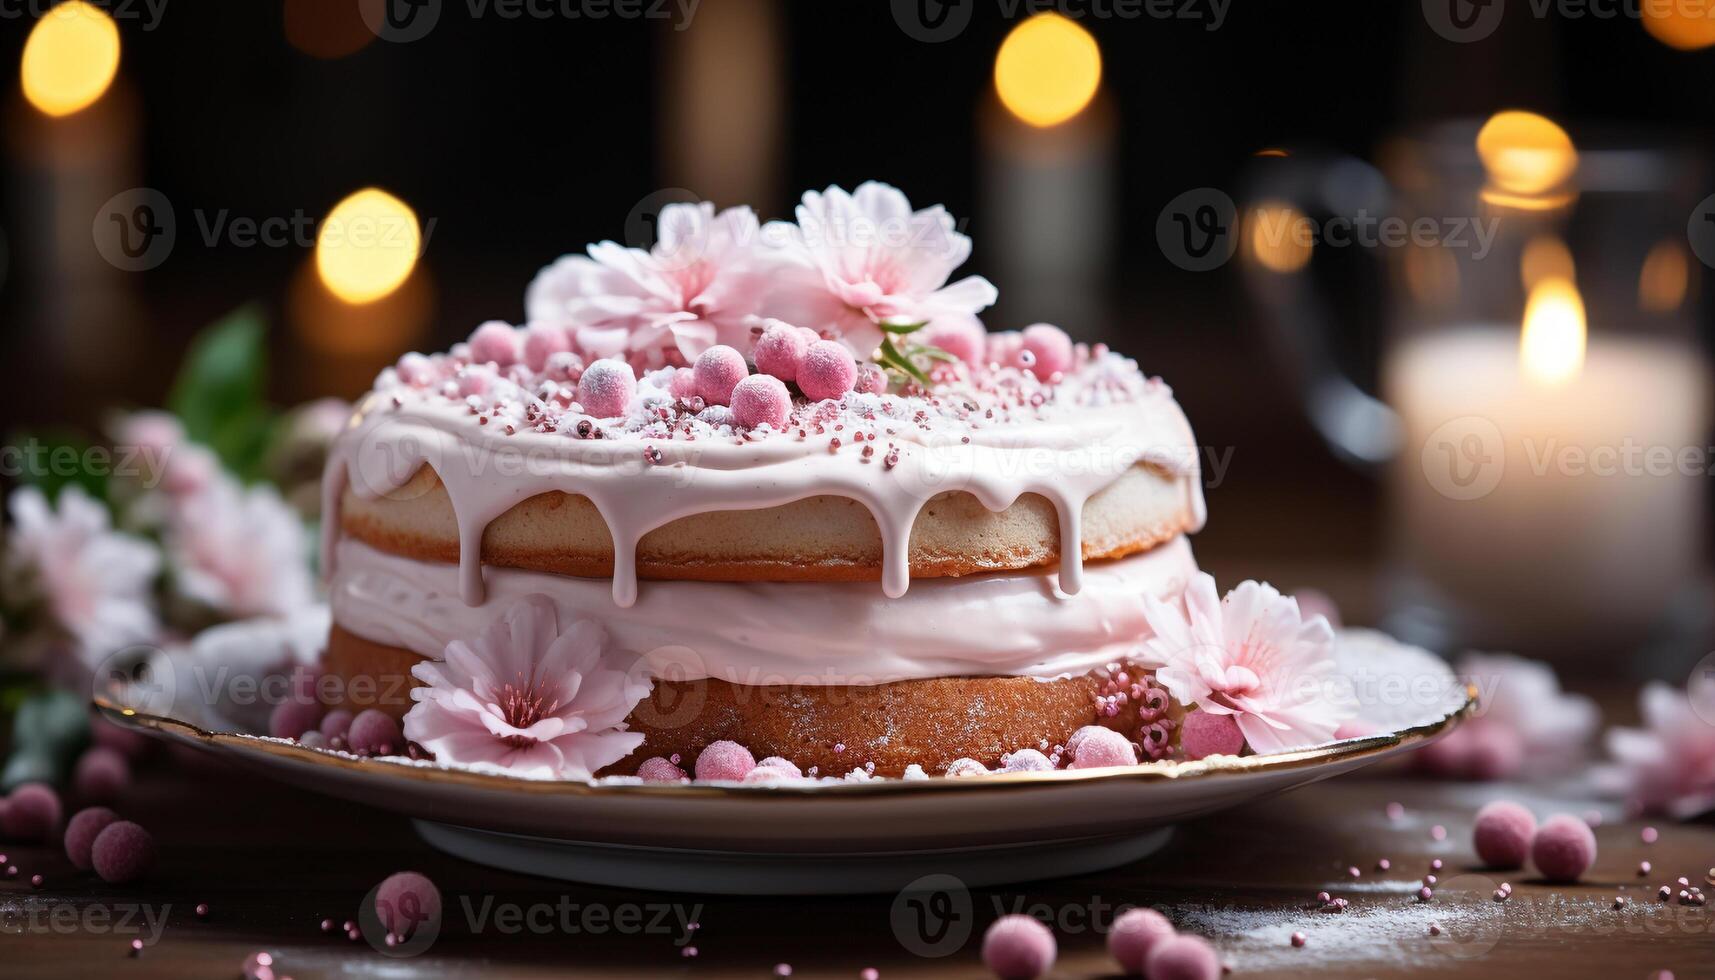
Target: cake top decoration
(730, 328)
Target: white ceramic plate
(822, 838)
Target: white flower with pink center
(698, 286)
(96, 583)
(529, 697)
(239, 552)
(1252, 656)
(859, 259)
(1667, 766)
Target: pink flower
(1250, 655)
(94, 581)
(1524, 722)
(1668, 766)
(240, 552)
(858, 259)
(529, 698)
(697, 287)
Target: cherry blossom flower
(529, 697)
(858, 259)
(1250, 655)
(1667, 766)
(698, 286)
(1524, 723)
(239, 552)
(95, 582)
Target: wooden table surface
(272, 862)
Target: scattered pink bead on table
(1182, 957)
(1134, 934)
(33, 813)
(1564, 848)
(1502, 834)
(1017, 947)
(81, 832)
(102, 775)
(407, 902)
(122, 852)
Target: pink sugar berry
(780, 350)
(1182, 957)
(1205, 733)
(718, 371)
(1050, 349)
(784, 765)
(406, 902)
(81, 832)
(961, 336)
(374, 731)
(871, 380)
(101, 775)
(761, 399)
(415, 370)
(293, 717)
(33, 813)
(959, 768)
(724, 760)
(494, 341)
(1564, 848)
(1501, 834)
(684, 383)
(1098, 747)
(1134, 934)
(606, 388)
(474, 381)
(827, 371)
(658, 770)
(1018, 947)
(542, 341)
(1025, 760)
(122, 852)
(336, 724)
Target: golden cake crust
(838, 728)
(817, 539)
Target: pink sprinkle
(327, 925)
(1430, 879)
(1665, 892)
(1435, 865)
(870, 973)
(1649, 835)
(1396, 811)
(1323, 898)
(1353, 871)
(35, 881)
(1643, 868)
(1425, 893)
(1298, 940)
(688, 952)
(1434, 929)
(1619, 901)
(1438, 832)
(1383, 864)
(136, 947)
(782, 969)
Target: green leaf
(891, 357)
(219, 391)
(895, 327)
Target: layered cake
(776, 490)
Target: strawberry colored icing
(1011, 624)
(499, 436)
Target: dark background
(524, 139)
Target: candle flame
(70, 58)
(1551, 345)
(1528, 159)
(1048, 70)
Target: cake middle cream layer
(804, 633)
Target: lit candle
(1048, 143)
(1551, 489)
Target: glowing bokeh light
(1525, 154)
(1048, 70)
(1546, 257)
(70, 58)
(1281, 238)
(367, 246)
(1678, 25)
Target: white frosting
(1066, 442)
(1012, 624)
